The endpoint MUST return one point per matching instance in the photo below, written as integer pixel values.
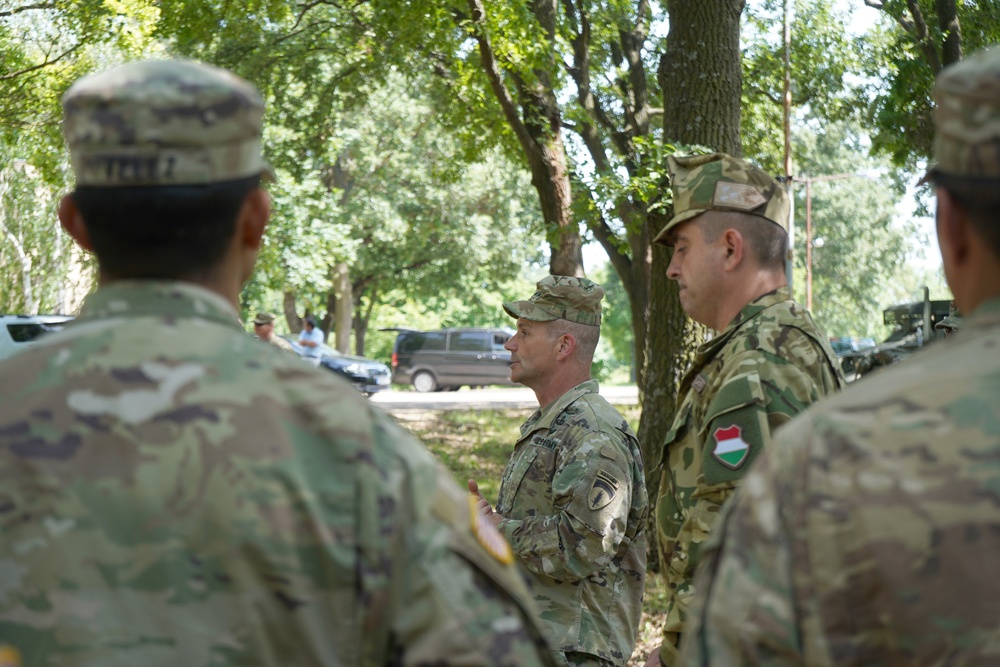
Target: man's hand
(654, 658)
(482, 505)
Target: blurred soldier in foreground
(769, 361)
(263, 326)
(572, 500)
(173, 492)
(869, 534)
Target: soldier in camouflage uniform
(572, 500)
(174, 492)
(869, 534)
(768, 362)
(263, 326)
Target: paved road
(483, 399)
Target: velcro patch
(737, 196)
(602, 491)
(731, 449)
(488, 536)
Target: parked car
(367, 375)
(18, 331)
(446, 359)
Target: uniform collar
(543, 417)
(747, 313)
(137, 298)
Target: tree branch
(27, 8)
(46, 63)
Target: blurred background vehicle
(908, 336)
(446, 359)
(19, 331)
(367, 375)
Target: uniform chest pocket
(513, 475)
(676, 432)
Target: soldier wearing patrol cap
(766, 364)
(173, 492)
(572, 500)
(869, 534)
(263, 327)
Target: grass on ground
(476, 444)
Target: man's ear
(732, 243)
(565, 346)
(72, 222)
(253, 218)
(955, 241)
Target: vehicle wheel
(424, 382)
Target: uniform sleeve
(591, 501)
(762, 393)
(455, 596)
(744, 612)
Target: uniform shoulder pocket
(736, 430)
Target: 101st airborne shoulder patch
(488, 536)
(602, 491)
(731, 449)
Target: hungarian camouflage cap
(264, 318)
(561, 298)
(163, 123)
(719, 182)
(967, 117)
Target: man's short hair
(768, 243)
(980, 199)
(158, 232)
(586, 335)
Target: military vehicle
(908, 336)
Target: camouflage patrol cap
(967, 117)
(719, 182)
(163, 123)
(264, 318)
(561, 298)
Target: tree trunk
(700, 74)
(951, 35)
(538, 127)
(292, 318)
(345, 308)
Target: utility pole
(809, 239)
(789, 175)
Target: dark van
(447, 359)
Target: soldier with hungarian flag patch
(768, 362)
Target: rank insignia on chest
(699, 383)
(602, 491)
(488, 536)
(731, 449)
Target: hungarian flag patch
(731, 449)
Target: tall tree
(925, 36)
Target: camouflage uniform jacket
(574, 501)
(280, 343)
(869, 534)
(766, 367)
(175, 492)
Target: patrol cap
(264, 318)
(719, 182)
(561, 298)
(967, 117)
(163, 122)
